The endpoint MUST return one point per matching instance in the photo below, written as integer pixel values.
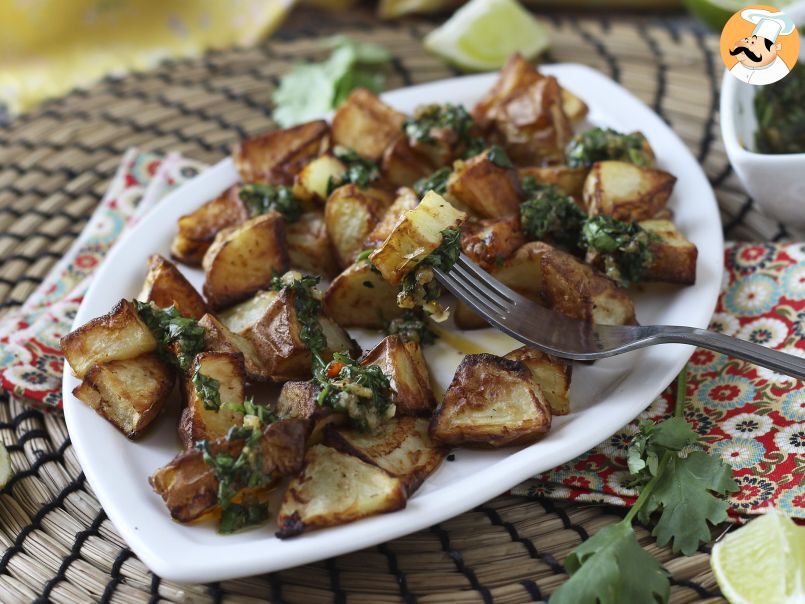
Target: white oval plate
(605, 396)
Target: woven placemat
(55, 164)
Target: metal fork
(569, 338)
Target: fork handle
(749, 351)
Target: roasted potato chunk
(406, 199)
(408, 374)
(490, 242)
(219, 338)
(550, 373)
(276, 157)
(129, 393)
(243, 259)
(575, 109)
(625, 191)
(298, 400)
(165, 286)
(674, 256)
(200, 422)
(401, 446)
(197, 230)
(491, 402)
(569, 181)
(403, 165)
(416, 235)
(189, 486)
(116, 336)
(335, 488)
(485, 188)
(312, 183)
(366, 124)
(360, 297)
(350, 215)
(309, 247)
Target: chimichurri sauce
(780, 110)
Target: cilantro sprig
(681, 489)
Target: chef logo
(759, 45)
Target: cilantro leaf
(652, 440)
(684, 494)
(611, 567)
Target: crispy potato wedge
(276, 157)
(129, 393)
(350, 215)
(243, 259)
(491, 402)
(674, 256)
(568, 180)
(219, 338)
(311, 184)
(487, 189)
(116, 336)
(550, 373)
(189, 487)
(298, 400)
(366, 124)
(309, 247)
(575, 109)
(360, 297)
(197, 230)
(416, 235)
(197, 421)
(165, 286)
(335, 488)
(408, 374)
(491, 241)
(401, 446)
(406, 199)
(625, 191)
(403, 165)
(515, 75)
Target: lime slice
(763, 562)
(482, 34)
(715, 13)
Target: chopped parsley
(179, 338)
(548, 213)
(412, 327)
(207, 390)
(361, 172)
(307, 303)
(419, 286)
(498, 156)
(362, 392)
(262, 199)
(435, 182)
(624, 246)
(428, 118)
(600, 144)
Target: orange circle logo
(759, 44)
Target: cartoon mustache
(742, 49)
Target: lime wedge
(482, 34)
(715, 13)
(763, 562)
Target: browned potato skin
(309, 246)
(115, 336)
(218, 338)
(402, 165)
(129, 393)
(625, 191)
(408, 374)
(276, 157)
(483, 386)
(165, 286)
(569, 181)
(297, 400)
(674, 256)
(488, 190)
(243, 260)
(550, 374)
(406, 199)
(359, 297)
(189, 487)
(401, 446)
(344, 489)
(197, 230)
(366, 124)
(196, 422)
(490, 242)
(350, 215)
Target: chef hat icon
(769, 25)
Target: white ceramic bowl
(775, 182)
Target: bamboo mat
(55, 164)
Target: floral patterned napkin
(752, 417)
